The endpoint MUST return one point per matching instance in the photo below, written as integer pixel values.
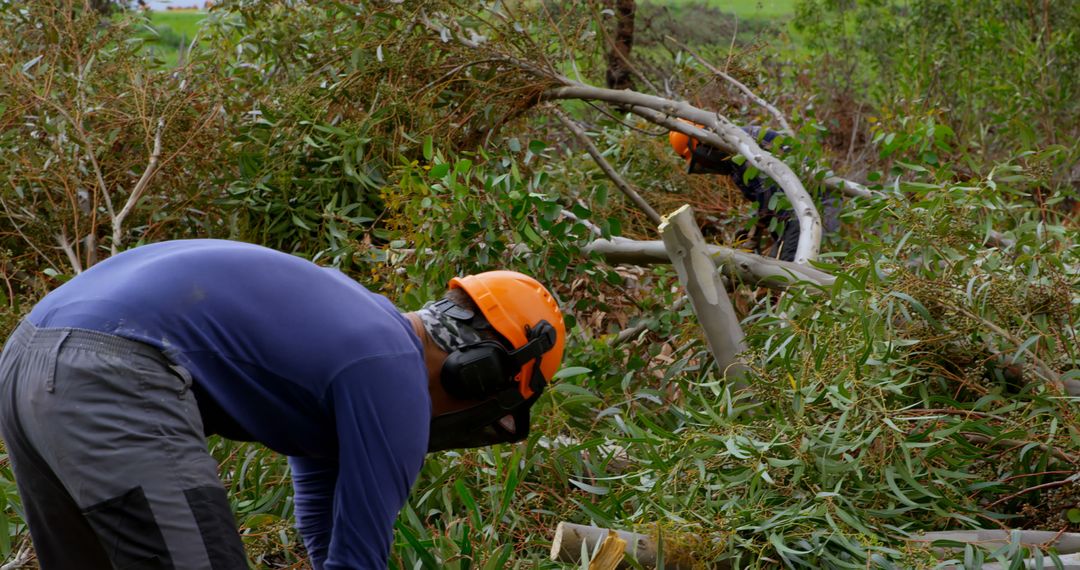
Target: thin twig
(776, 114)
(453, 72)
(1049, 485)
(1025, 475)
(140, 187)
(980, 438)
(622, 122)
(620, 183)
(72, 257)
(947, 411)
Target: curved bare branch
(736, 265)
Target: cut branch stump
(697, 273)
(612, 552)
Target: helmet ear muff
(477, 371)
(486, 369)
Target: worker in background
(704, 159)
(110, 385)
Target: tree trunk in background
(103, 7)
(619, 45)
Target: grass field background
(182, 22)
(173, 28)
(176, 27)
(746, 9)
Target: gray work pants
(107, 446)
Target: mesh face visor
(482, 425)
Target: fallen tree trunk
(1068, 562)
(721, 134)
(736, 265)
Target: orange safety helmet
(512, 301)
(683, 144)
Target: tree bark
(736, 265)
(620, 44)
(1068, 562)
(140, 187)
(1064, 543)
(697, 273)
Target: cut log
(569, 538)
(612, 552)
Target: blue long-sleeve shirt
(283, 352)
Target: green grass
(174, 28)
(184, 23)
(745, 9)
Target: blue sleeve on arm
(313, 484)
(383, 413)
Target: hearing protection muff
(505, 377)
(483, 370)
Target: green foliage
(1003, 75)
(746, 9)
(468, 214)
(80, 105)
(257, 481)
(183, 23)
(912, 395)
(168, 34)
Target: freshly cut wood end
(665, 219)
(612, 551)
